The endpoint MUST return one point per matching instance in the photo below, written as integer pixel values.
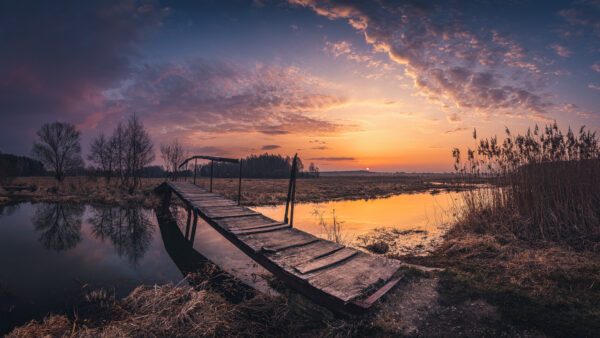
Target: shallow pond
(426, 212)
(54, 254)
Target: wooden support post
(293, 199)
(194, 228)
(187, 225)
(291, 188)
(211, 174)
(240, 184)
(195, 166)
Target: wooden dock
(340, 278)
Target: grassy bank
(254, 191)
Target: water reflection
(59, 225)
(128, 229)
(8, 209)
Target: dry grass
(254, 191)
(547, 187)
(183, 311)
(82, 190)
(553, 288)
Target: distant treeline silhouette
(13, 166)
(126, 156)
(255, 166)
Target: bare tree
(172, 154)
(59, 148)
(139, 150)
(313, 169)
(118, 150)
(101, 154)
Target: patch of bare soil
(419, 308)
(393, 241)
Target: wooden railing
(212, 161)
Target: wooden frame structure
(342, 279)
(212, 161)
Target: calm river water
(53, 254)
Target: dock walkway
(338, 277)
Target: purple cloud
(58, 58)
(222, 97)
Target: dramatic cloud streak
(449, 63)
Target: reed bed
(545, 187)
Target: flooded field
(418, 218)
(74, 249)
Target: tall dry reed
(545, 186)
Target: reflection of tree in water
(60, 225)
(129, 229)
(9, 209)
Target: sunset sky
(388, 85)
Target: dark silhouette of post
(187, 226)
(240, 184)
(193, 235)
(291, 193)
(195, 166)
(211, 174)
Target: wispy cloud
(561, 50)
(449, 62)
(270, 147)
(453, 117)
(594, 86)
(455, 130)
(222, 97)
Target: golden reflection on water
(404, 212)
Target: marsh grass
(545, 187)
(333, 230)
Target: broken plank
(289, 259)
(326, 261)
(353, 278)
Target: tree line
(258, 166)
(126, 155)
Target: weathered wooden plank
(278, 240)
(226, 211)
(245, 222)
(289, 259)
(326, 261)
(241, 213)
(319, 268)
(352, 278)
(204, 204)
(281, 226)
(378, 294)
(255, 227)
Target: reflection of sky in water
(49, 252)
(407, 211)
(226, 255)
(40, 270)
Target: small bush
(379, 247)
